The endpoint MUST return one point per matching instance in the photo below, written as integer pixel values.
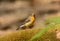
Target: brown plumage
(28, 22)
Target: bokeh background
(14, 12)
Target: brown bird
(28, 22)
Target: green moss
(22, 35)
(26, 35)
(53, 20)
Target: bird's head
(33, 14)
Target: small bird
(28, 22)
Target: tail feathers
(21, 27)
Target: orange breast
(32, 19)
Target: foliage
(50, 23)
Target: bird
(28, 22)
